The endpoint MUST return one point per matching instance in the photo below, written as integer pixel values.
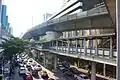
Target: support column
(91, 46)
(104, 69)
(93, 71)
(56, 45)
(118, 38)
(78, 64)
(81, 46)
(103, 48)
(85, 49)
(76, 46)
(96, 48)
(52, 44)
(68, 46)
(111, 48)
(62, 46)
(75, 64)
(71, 43)
(90, 43)
(55, 62)
(44, 60)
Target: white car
(81, 77)
(37, 79)
(22, 71)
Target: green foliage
(13, 46)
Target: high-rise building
(5, 30)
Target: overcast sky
(20, 12)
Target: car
(1, 69)
(74, 70)
(63, 69)
(81, 77)
(6, 71)
(21, 65)
(38, 68)
(30, 60)
(22, 71)
(68, 73)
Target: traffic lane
(16, 75)
(60, 76)
(98, 78)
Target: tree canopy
(13, 46)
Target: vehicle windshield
(85, 77)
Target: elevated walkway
(94, 58)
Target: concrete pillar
(104, 69)
(52, 44)
(76, 46)
(78, 63)
(44, 60)
(93, 71)
(71, 43)
(55, 62)
(68, 46)
(90, 43)
(75, 64)
(118, 38)
(62, 46)
(96, 48)
(111, 48)
(81, 45)
(56, 45)
(91, 46)
(103, 48)
(85, 49)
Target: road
(61, 76)
(16, 75)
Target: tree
(13, 46)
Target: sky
(23, 12)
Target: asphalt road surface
(16, 75)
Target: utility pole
(118, 38)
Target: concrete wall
(50, 35)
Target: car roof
(83, 75)
(22, 67)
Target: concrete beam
(96, 22)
